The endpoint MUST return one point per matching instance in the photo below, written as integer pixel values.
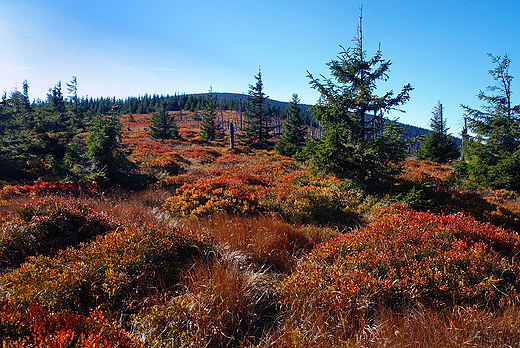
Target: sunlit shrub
(49, 224)
(232, 194)
(300, 197)
(117, 270)
(239, 187)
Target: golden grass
(266, 241)
(221, 305)
(462, 327)
(417, 328)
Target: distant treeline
(147, 104)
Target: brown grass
(222, 305)
(267, 241)
(461, 327)
(140, 208)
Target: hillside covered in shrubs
(194, 221)
(244, 247)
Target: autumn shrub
(117, 271)
(48, 224)
(301, 197)
(221, 306)
(426, 172)
(426, 186)
(203, 155)
(34, 326)
(266, 164)
(169, 163)
(279, 187)
(403, 260)
(47, 188)
(232, 194)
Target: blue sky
(130, 48)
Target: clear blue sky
(130, 48)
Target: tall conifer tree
(348, 147)
(492, 149)
(258, 130)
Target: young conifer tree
(258, 130)
(104, 147)
(163, 126)
(438, 145)
(293, 137)
(208, 129)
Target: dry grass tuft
(417, 328)
(267, 241)
(139, 208)
(462, 327)
(222, 305)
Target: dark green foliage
(492, 151)
(386, 151)
(105, 149)
(438, 145)
(208, 128)
(163, 125)
(351, 116)
(294, 134)
(34, 139)
(258, 130)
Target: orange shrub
(232, 194)
(269, 183)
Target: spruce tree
(348, 146)
(105, 149)
(163, 126)
(293, 137)
(209, 113)
(492, 148)
(438, 145)
(257, 131)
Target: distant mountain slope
(409, 131)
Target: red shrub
(33, 326)
(49, 224)
(410, 258)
